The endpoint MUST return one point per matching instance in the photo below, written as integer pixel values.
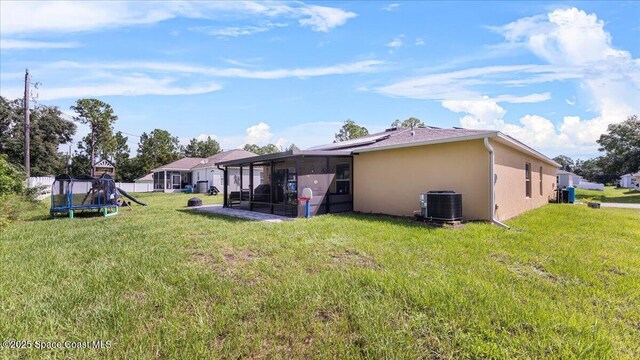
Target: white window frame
(527, 180)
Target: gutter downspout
(492, 185)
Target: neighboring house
(565, 178)
(630, 181)
(498, 176)
(174, 177)
(147, 179)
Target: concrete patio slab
(621, 205)
(242, 214)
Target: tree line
(49, 129)
(621, 154)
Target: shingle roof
(224, 156)
(191, 163)
(148, 177)
(402, 136)
(563, 172)
(185, 163)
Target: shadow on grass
(226, 218)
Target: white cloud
(419, 42)
(152, 78)
(364, 66)
(462, 84)
(575, 47)
(391, 7)
(564, 36)
(396, 42)
(531, 98)
(322, 18)
(575, 39)
(573, 135)
(132, 85)
(7, 44)
(258, 134)
(235, 31)
(74, 16)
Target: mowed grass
(162, 282)
(610, 194)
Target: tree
(80, 165)
(595, 170)
(567, 163)
(11, 177)
(130, 170)
(48, 131)
(121, 149)
(157, 148)
(622, 146)
(261, 150)
(410, 122)
(350, 130)
(202, 149)
(292, 147)
(100, 118)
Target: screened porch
(271, 183)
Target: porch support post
(250, 186)
(225, 185)
(241, 186)
(297, 190)
(328, 193)
(273, 188)
(164, 185)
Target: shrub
(11, 178)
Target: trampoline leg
(70, 214)
(115, 212)
(104, 212)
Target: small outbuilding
(629, 181)
(104, 166)
(566, 178)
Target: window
(527, 176)
(343, 178)
(540, 180)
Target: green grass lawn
(610, 194)
(161, 282)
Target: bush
(11, 178)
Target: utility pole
(93, 147)
(27, 126)
(69, 161)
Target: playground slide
(126, 194)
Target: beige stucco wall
(510, 187)
(390, 181)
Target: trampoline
(71, 194)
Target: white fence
(47, 181)
(135, 187)
(590, 186)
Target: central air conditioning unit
(441, 205)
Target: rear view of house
(498, 176)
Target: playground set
(86, 193)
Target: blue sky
(553, 75)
